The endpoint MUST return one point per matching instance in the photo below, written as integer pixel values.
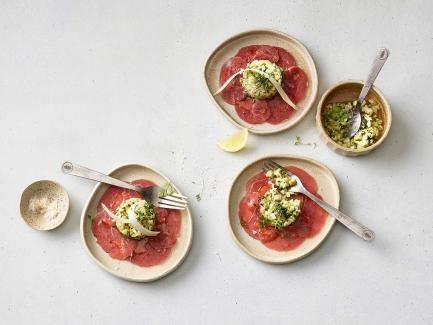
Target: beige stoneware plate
(327, 188)
(262, 37)
(125, 269)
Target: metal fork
(149, 193)
(359, 229)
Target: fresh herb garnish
(166, 190)
(299, 142)
(260, 79)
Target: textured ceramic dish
(267, 37)
(55, 195)
(327, 188)
(348, 90)
(125, 269)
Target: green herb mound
(145, 212)
(257, 85)
(277, 208)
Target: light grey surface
(109, 82)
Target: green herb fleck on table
(198, 197)
(299, 142)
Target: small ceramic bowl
(44, 205)
(348, 90)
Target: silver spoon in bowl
(355, 120)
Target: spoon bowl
(355, 121)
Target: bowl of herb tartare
(334, 112)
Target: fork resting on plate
(358, 228)
(149, 193)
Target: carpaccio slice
(274, 110)
(280, 110)
(267, 52)
(308, 224)
(286, 60)
(248, 52)
(148, 251)
(295, 83)
(253, 112)
(234, 92)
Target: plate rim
(99, 263)
(269, 31)
(281, 156)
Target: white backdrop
(103, 83)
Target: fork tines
(174, 201)
(270, 165)
(179, 196)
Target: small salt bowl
(44, 205)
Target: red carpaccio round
(148, 251)
(308, 224)
(273, 110)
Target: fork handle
(358, 228)
(84, 172)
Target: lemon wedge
(234, 142)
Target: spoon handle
(379, 61)
(358, 228)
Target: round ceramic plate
(125, 269)
(327, 188)
(262, 37)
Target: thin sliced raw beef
(248, 52)
(234, 92)
(308, 224)
(244, 110)
(145, 252)
(113, 196)
(280, 110)
(282, 244)
(151, 253)
(153, 250)
(168, 223)
(286, 60)
(253, 112)
(110, 239)
(267, 52)
(248, 213)
(248, 205)
(295, 83)
(226, 71)
(261, 111)
(256, 182)
(267, 234)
